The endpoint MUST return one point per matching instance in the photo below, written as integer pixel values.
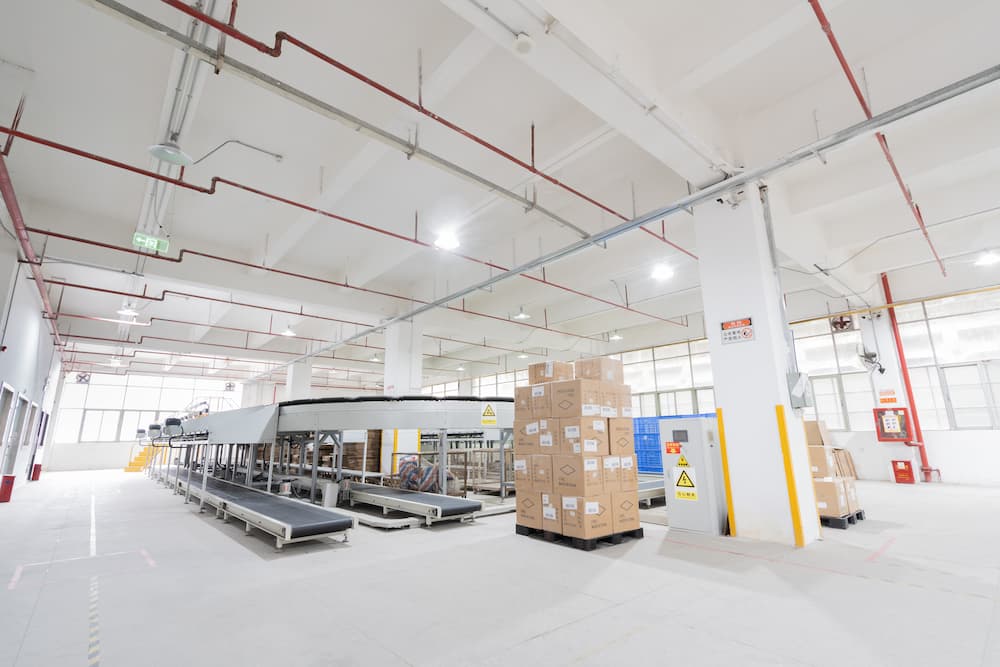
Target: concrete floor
(148, 581)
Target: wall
(29, 364)
(963, 457)
(90, 456)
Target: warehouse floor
(916, 584)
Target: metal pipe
(925, 466)
(417, 106)
(713, 192)
(21, 231)
(824, 23)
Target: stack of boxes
(574, 454)
(832, 472)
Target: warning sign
(737, 331)
(887, 397)
(682, 461)
(673, 447)
(684, 484)
(489, 415)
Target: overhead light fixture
(374, 358)
(521, 315)
(460, 368)
(662, 272)
(615, 336)
(988, 259)
(170, 152)
(128, 311)
(288, 332)
(446, 240)
(115, 361)
(522, 356)
(523, 43)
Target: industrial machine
(692, 474)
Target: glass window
(73, 395)
(859, 397)
(637, 406)
(174, 400)
(916, 343)
(137, 398)
(701, 369)
(993, 375)
(670, 351)
(107, 379)
(966, 338)
(91, 426)
(647, 404)
(109, 425)
(676, 403)
(505, 389)
(104, 397)
(816, 355)
(640, 377)
(929, 398)
(699, 346)
(826, 392)
(67, 425)
(673, 373)
(960, 305)
(968, 397)
(807, 329)
(130, 423)
(910, 313)
(144, 381)
(848, 345)
(637, 356)
(706, 400)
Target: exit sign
(146, 242)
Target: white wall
(90, 456)
(29, 363)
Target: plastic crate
(646, 425)
(648, 456)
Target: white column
(403, 359)
(738, 282)
(299, 382)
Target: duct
(717, 191)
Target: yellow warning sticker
(683, 462)
(489, 415)
(685, 486)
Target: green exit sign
(146, 242)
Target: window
(829, 406)
(68, 425)
(929, 398)
(859, 400)
(677, 403)
(967, 397)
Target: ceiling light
(523, 43)
(988, 259)
(115, 361)
(374, 358)
(288, 332)
(662, 272)
(522, 356)
(615, 336)
(128, 311)
(170, 152)
(521, 315)
(460, 368)
(446, 240)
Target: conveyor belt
(447, 505)
(304, 520)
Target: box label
(545, 440)
(626, 412)
(590, 410)
(538, 390)
(572, 431)
(592, 507)
(626, 462)
(608, 412)
(549, 512)
(612, 462)
(543, 425)
(590, 446)
(549, 369)
(521, 465)
(684, 484)
(569, 503)
(590, 465)
(531, 429)
(599, 425)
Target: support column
(403, 359)
(771, 486)
(299, 382)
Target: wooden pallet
(842, 521)
(576, 542)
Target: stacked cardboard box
(833, 474)
(574, 452)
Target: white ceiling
(742, 82)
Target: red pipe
(21, 231)
(17, 121)
(211, 190)
(238, 262)
(925, 465)
(275, 52)
(914, 209)
(297, 313)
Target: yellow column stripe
(725, 473)
(793, 496)
(395, 448)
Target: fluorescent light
(128, 323)
(662, 272)
(128, 311)
(988, 259)
(616, 336)
(521, 315)
(460, 368)
(446, 240)
(288, 332)
(374, 358)
(522, 356)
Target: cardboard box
(574, 398)
(587, 517)
(552, 513)
(529, 510)
(845, 464)
(549, 371)
(549, 441)
(629, 473)
(621, 436)
(583, 435)
(625, 402)
(600, 368)
(850, 488)
(831, 497)
(816, 433)
(522, 403)
(541, 473)
(609, 399)
(611, 465)
(540, 405)
(522, 474)
(821, 462)
(577, 475)
(525, 439)
(624, 511)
